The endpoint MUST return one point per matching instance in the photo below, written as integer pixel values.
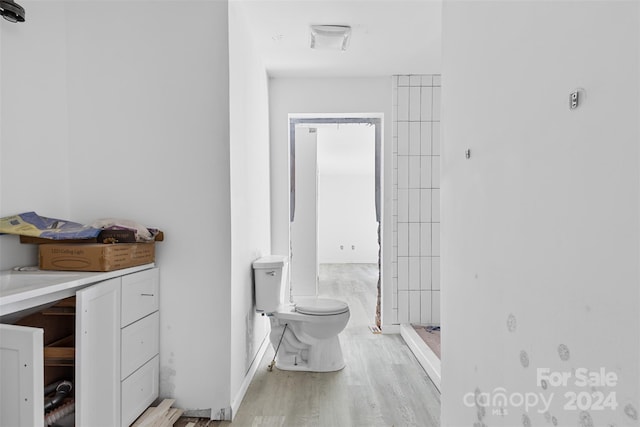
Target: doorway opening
(335, 202)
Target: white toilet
(304, 333)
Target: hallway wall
(347, 226)
(540, 230)
(34, 133)
(250, 198)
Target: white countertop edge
(84, 278)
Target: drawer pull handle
(146, 295)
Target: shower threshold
(431, 337)
(427, 358)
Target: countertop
(21, 290)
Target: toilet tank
(270, 272)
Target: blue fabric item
(32, 224)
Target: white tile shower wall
(416, 197)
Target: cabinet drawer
(140, 390)
(140, 342)
(139, 295)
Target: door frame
(373, 119)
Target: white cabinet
(140, 338)
(21, 387)
(98, 354)
(115, 330)
(139, 390)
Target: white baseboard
(235, 403)
(390, 329)
(426, 357)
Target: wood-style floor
(382, 384)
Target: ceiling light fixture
(330, 37)
(11, 11)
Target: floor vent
(375, 329)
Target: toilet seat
(321, 306)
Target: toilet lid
(321, 306)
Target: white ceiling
(388, 36)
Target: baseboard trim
(235, 403)
(390, 329)
(426, 357)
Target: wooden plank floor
(382, 384)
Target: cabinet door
(98, 355)
(21, 370)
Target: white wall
(303, 255)
(347, 227)
(348, 231)
(250, 197)
(131, 114)
(331, 95)
(540, 226)
(34, 165)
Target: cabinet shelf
(59, 311)
(66, 307)
(61, 352)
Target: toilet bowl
(307, 334)
(303, 333)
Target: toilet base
(324, 356)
